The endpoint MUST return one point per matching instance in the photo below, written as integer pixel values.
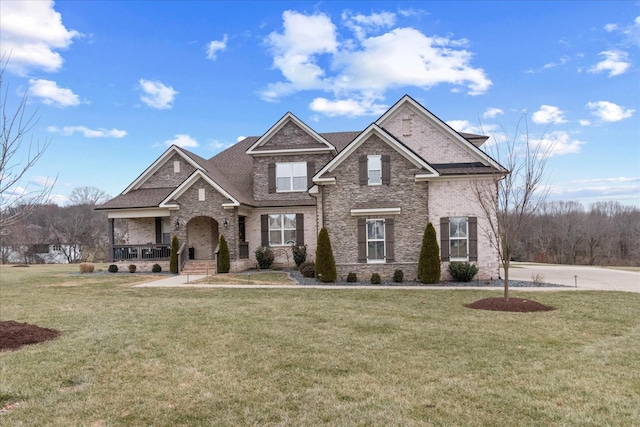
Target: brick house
(374, 191)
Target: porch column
(111, 238)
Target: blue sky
(115, 83)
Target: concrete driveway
(588, 277)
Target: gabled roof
(464, 141)
(168, 201)
(374, 129)
(174, 149)
(322, 144)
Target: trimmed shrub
(375, 279)
(86, 267)
(429, 263)
(224, 262)
(173, 260)
(462, 271)
(156, 268)
(264, 256)
(308, 269)
(325, 262)
(398, 276)
(299, 254)
(132, 268)
(352, 277)
(113, 268)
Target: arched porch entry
(202, 236)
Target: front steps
(199, 266)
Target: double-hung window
(458, 239)
(375, 240)
(374, 170)
(282, 229)
(291, 176)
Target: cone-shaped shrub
(429, 263)
(224, 263)
(173, 260)
(325, 262)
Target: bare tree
(88, 195)
(16, 200)
(515, 196)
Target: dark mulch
(518, 305)
(14, 335)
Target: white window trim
(369, 158)
(291, 190)
(466, 239)
(384, 241)
(282, 230)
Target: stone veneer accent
(254, 237)
(260, 175)
(430, 142)
(165, 177)
(403, 192)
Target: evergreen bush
(265, 257)
(325, 262)
(462, 271)
(156, 268)
(132, 268)
(375, 279)
(173, 260)
(113, 268)
(429, 262)
(398, 276)
(224, 261)
(299, 254)
(308, 269)
(352, 277)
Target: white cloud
(156, 94)
(548, 114)
(216, 46)
(51, 94)
(219, 145)
(489, 130)
(240, 138)
(558, 143)
(361, 25)
(615, 62)
(492, 113)
(563, 60)
(630, 32)
(32, 32)
(88, 133)
(584, 122)
(609, 112)
(358, 72)
(182, 140)
(347, 107)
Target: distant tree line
(76, 230)
(606, 233)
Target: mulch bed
(14, 335)
(517, 305)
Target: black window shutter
(362, 240)
(264, 230)
(389, 230)
(386, 169)
(444, 238)
(473, 238)
(363, 170)
(271, 177)
(299, 229)
(311, 170)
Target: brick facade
(165, 177)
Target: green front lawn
(195, 356)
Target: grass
(151, 356)
(255, 278)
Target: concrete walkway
(588, 278)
